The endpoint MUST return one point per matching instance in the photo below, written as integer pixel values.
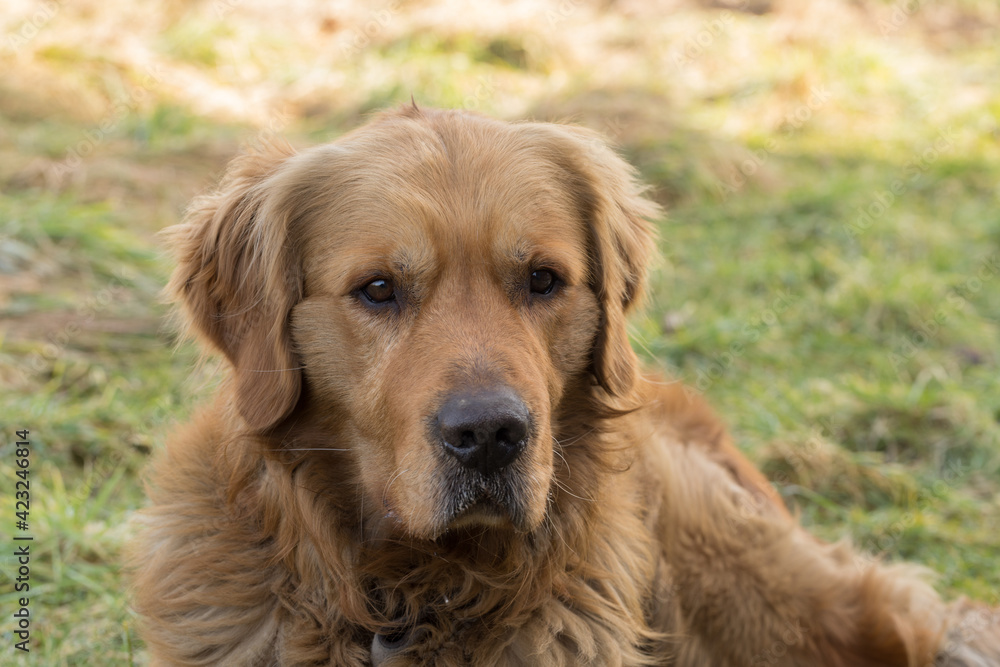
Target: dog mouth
(484, 511)
(511, 500)
(479, 501)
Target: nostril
(512, 434)
(486, 430)
(469, 440)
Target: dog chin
(483, 515)
(495, 504)
(462, 514)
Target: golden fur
(309, 517)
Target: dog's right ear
(237, 281)
(619, 220)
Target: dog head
(430, 290)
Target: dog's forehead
(419, 192)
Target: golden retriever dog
(433, 444)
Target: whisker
(565, 488)
(273, 370)
(640, 341)
(569, 471)
(397, 475)
(569, 442)
(361, 511)
(659, 383)
(308, 449)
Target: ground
(831, 244)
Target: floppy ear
(622, 240)
(237, 282)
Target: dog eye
(379, 291)
(542, 281)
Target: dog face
(461, 295)
(431, 290)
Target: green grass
(831, 253)
(97, 392)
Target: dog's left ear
(622, 239)
(237, 281)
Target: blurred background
(831, 248)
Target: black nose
(485, 430)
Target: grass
(831, 253)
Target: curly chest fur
(475, 597)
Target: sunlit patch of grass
(168, 127)
(195, 40)
(64, 240)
